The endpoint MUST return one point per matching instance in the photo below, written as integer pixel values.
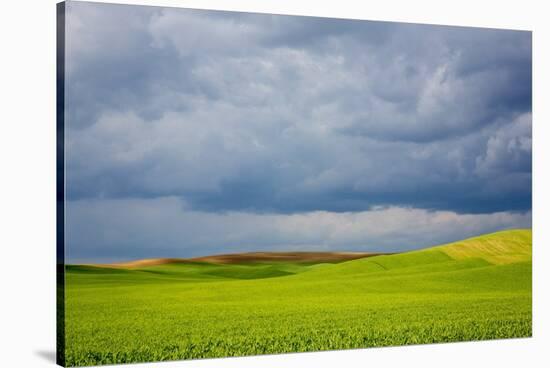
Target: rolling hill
(473, 289)
(250, 257)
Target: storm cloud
(261, 116)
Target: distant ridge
(251, 257)
(502, 247)
(316, 257)
(148, 262)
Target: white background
(27, 181)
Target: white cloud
(116, 229)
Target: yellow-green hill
(502, 247)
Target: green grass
(475, 289)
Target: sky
(193, 132)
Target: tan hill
(313, 257)
(147, 262)
(253, 257)
(502, 247)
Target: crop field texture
(475, 289)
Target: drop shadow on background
(47, 355)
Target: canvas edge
(60, 184)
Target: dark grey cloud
(235, 112)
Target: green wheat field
(475, 289)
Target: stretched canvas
(236, 184)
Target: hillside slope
(475, 289)
(500, 248)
